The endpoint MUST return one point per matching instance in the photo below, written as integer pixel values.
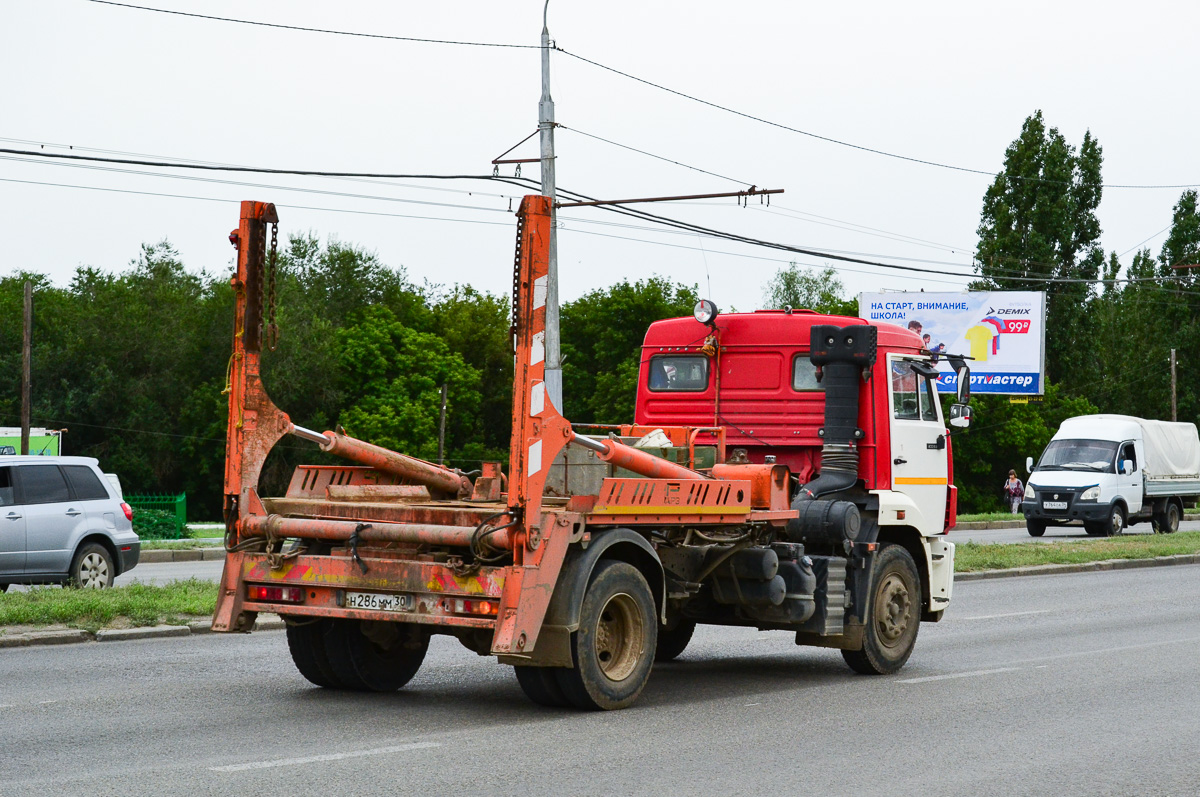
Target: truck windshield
(1089, 455)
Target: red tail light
(458, 606)
(256, 592)
(128, 510)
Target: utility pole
(1173, 418)
(442, 428)
(26, 357)
(546, 128)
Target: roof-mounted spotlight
(705, 312)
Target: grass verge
(92, 609)
(176, 545)
(973, 556)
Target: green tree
(393, 375)
(796, 287)
(1038, 223)
(602, 334)
(477, 326)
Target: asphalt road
(1065, 685)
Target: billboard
(1004, 332)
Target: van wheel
(92, 567)
(1116, 521)
(893, 614)
(373, 656)
(1168, 521)
(306, 642)
(1036, 528)
(613, 649)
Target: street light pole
(546, 128)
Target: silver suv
(62, 522)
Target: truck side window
(929, 400)
(687, 372)
(6, 488)
(1127, 453)
(43, 484)
(905, 386)
(804, 374)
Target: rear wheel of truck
(306, 642)
(1036, 528)
(673, 639)
(893, 614)
(540, 684)
(613, 649)
(373, 656)
(1168, 521)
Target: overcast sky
(949, 82)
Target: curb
(265, 622)
(1084, 567)
(182, 555)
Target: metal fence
(173, 504)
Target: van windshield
(1089, 455)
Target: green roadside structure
(47, 442)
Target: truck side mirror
(1126, 466)
(1029, 464)
(960, 415)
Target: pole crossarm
(739, 194)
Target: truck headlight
(1090, 494)
(1029, 493)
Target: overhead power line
(318, 30)
(652, 84)
(838, 142)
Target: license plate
(379, 603)
(1054, 504)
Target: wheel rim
(1117, 522)
(620, 637)
(893, 610)
(93, 571)
(1172, 519)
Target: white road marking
(315, 759)
(950, 676)
(1007, 614)
(46, 702)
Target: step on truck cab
(786, 470)
(1112, 471)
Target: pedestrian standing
(1014, 491)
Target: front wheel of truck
(893, 614)
(374, 656)
(613, 650)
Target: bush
(154, 524)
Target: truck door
(918, 442)
(1129, 485)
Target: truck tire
(613, 650)
(1168, 521)
(893, 614)
(306, 643)
(1116, 521)
(1036, 528)
(673, 639)
(1095, 529)
(373, 656)
(540, 684)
